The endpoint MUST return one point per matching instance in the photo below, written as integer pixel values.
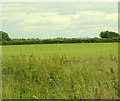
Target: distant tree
(4, 36)
(0, 36)
(108, 34)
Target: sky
(59, 19)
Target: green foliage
(58, 41)
(60, 77)
(109, 34)
(4, 36)
(106, 36)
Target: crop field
(69, 50)
(60, 71)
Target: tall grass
(60, 77)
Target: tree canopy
(108, 34)
(4, 36)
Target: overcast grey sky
(60, 19)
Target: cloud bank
(50, 20)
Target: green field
(70, 50)
(60, 71)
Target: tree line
(105, 36)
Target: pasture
(60, 71)
(69, 50)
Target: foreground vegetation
(60, 77)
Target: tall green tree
(108, 34)
(4, 36)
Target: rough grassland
(69, 71)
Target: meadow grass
(60, 71)
(60, 77)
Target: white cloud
(113, 17)
(60, 19)
(13, 17)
